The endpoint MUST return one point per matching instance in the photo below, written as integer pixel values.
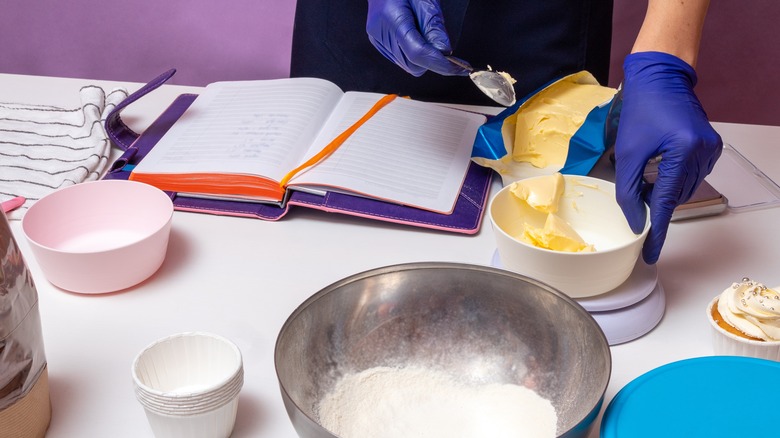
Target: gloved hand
(411, 33)
(660, 116)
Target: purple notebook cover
(466, 217)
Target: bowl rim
(169, 209)
(637, 237)
(588, 418)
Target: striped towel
(44, 148)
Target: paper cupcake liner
(202, 362)
(225, 391)
(729, 344)
(189, 406)
(188, 374)
(217, 423)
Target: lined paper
(410, 152)
(249, 127)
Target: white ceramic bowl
(100, 236)
(589, 206)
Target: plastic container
(713, 397)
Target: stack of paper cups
(188, 384)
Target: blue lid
(715, 396)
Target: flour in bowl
(386, 402)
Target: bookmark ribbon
(339, 140)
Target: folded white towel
(44, 148)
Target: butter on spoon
(498, 86)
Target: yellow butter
(548, 120)
(542, 193)
(556, 235)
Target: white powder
(387, 402)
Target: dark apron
(535, 41)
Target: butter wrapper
(495, 144)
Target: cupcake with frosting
(746, 320)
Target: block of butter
(556, 235)
(547, 121)
(543, 194)
(559, 127)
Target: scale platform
(629, 311)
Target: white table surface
(241, 278)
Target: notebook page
(412, 153)
(251, 127)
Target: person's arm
(661, 116)
(673, 27)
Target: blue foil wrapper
(585, 147)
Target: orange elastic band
(339, 140)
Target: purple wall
(250, 39)
(738, 62)
(138, 39)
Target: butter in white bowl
(544, 194)
(587, 248)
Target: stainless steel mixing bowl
(480, 324)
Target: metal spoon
(495, 85)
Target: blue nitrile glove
(411, 33)
(660, 116)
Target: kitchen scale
(629, 311)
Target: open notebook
(465, 215)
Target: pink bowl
(100, 236)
